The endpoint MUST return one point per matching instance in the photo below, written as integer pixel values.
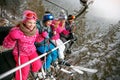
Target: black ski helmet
(71, 17)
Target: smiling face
(30, 24)
(48, 23)
(57, 22)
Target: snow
(77, 51)
(102, 50)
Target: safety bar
(27, 63)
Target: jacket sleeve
(10, 39)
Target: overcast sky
(105, 9)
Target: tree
(9, 5)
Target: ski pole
(19, 61)
(43, 73)
(45, 55)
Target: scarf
(26, 31)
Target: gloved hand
(54, 32)
(1, 49)
(71, 36)
(45, 34)
(65, 32)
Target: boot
(35, 75)
(49, 75)
(68, 51)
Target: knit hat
(29, 15)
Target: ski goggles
(31, 16)
(71, 17)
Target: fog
(104, 11)
(101, 13)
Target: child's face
(63, 21)
(57, 22)
(71, 21)
(48, 23)
(30, 24)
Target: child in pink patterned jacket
(57, 28)
(26, 34)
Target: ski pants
(51, 57)
(35, 66)
(61, 48)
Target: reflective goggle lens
(73, 17)
(31, 15)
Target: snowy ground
(102, 53)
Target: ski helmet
(62, 15)
(47, 17)
(71, 17)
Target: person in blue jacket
(46, 45)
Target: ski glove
(45, 34)
(65, 32)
